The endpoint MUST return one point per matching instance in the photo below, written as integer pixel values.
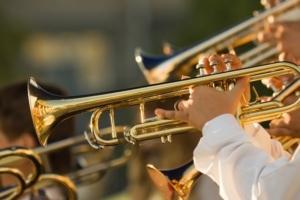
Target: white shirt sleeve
(246, 166)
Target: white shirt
(247, 165)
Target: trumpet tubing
(20, 183)
(11, 155)
(158, 69)
(47, 110)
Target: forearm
(229, 157)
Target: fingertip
(159, 112)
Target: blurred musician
(16, 129)
(245, 162)
(285, 33)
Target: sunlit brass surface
(88, 175)
(11, 155)
(19, 185)
(158, 69)
(170, 189)
(47, 110)
(37, 180)
(64, 182)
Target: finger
(285, 56)
(274, 83)
(268, 3)
(217, 64)
(279, 32)
(183, 105)
(241, 86)
(265, 36)
(185, 77)
(278, 123)
(204, 61)
(280, 132)
(265, 99)
(171, 114)
(231, 61)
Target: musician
(244, 161)
(286, 35)
(16, 129)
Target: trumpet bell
(43, 119)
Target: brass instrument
(158, 69)
(47, 110)
(44, 181)
(35, 179)
(47, 180)
(19, 183)
(177, 182)
(11, 155)
(79, 148)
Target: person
(16, 126)
(244, 161)
(16, 129)
(285, 34)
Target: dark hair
(15, 120)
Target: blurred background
(88, 46)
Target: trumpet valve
(165, 139)
(201, 68)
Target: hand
(268, 3)
(206, 103)
(286, 36)
(288, 124)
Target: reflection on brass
(46, 180)
(171, 189)
(11, 155)
(35, 180)
(43, 105)
(158, 69)
(19, 184)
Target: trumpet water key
(47, 110)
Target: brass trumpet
(11, 155)
(47, 110)
(176, 182)
(34, 180)
(19, 183)
(46, 180)
(158, 69)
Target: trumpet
(19, 183)
(47, 110)
(43, 181)
(158, 69)
(176, 182)
(35, 179)
(88, 172)
(10, 155)
(46, 180)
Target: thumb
(240, 87)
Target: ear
(26, 140)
